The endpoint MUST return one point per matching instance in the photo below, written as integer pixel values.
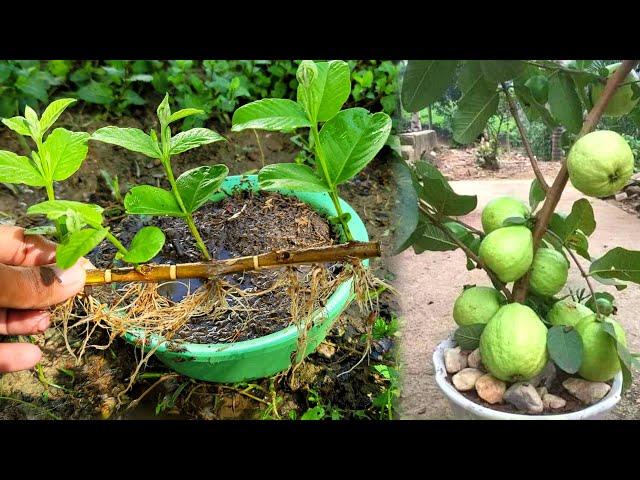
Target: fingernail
(44, 322)
(70, 277)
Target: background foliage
(216, 86)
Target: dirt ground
(63, 388)
(429, 283)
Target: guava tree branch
(525, 140)
(465, 225)
(468, 252)
(560, 182)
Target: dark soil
(573, 404)
(244, 224)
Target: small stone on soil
(621, 196)
(490, 389)
(325, 350)
(542, 391)
(474, 359)
(546, 377)
(553, 402)
(524, 397)
(466, 379)
(586, 391)
(454, 360)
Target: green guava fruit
(600, 361)
(477, 305)
(569, 313)
(501, 208)
(513, 345)
(508, 252)
(622, 101)
(605, 307)
(600, 163)
(549, 272)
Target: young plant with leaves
(344, 144)
(557, 95)
(190, 190)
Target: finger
(39, 287)
(16, 248)
(23, 322)
(18, 356)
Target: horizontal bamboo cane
(159, 273)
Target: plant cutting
(190, 190)
(343, 141)
(539, 353)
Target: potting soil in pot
(244, 224)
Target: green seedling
(344, 144)
(190, 190)
(114, 185)
(55, 158)
(84, 225)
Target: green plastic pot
(271, 354)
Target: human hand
(29, 283)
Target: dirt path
(429, 284)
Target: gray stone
(466, 379)
(454, 360)
(474, 359)
(632, 190)
(621, 196)
(490, 389)
(542, 391)
(586, 391)
(524, 397)
(553, 402)
(546, 377)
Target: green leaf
(53, 111)
(428, 237)
(65, 152)
(291, 176)
(94, 92)
(54, 209)
(579, 242)
(501, 70)
(475, 107)
(146, 244)
(425, 81)
(315, 413)
(609, 281)
(77, 245)
(468, 336)
(198, 184)
(618, 263)
(270, 114)
(18, 124)
(19, 169)
(581, 218)
(538, 85)
(557, 224)
(328, 90)
(132, 139)
(148, 200)
(564, 102)
(185, 112)
(32, 122)
(565, 348)
(41, 230)
(437, 192)
(351, 139)
(164, 110)
(536, 194)
(193, 138)
(627, 360)
(407, 215)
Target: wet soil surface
(245, 224)
(333, 382)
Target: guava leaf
(497, 71)
(627, 360)
(618, 263)
(437, 192)
(564, 102)
(19, 169)
(565, 348)
(185, 112)
(270, 114)
(427, 236)
(148, 200)
(146, 244)
(328, 91)
(424, 81)
(579, 242)
(581, 218)
(53, 112)
(18, 124)
(468, 336)
(474, 109)
(66, 151)
(291, 176)
(407, 215)
(132, 139)
(198, 184)
(78, 244)
(193, 138)
(536, 194)
(54, 209)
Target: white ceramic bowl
(465, 409)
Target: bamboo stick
(158, 273)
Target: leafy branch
(555, 192)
